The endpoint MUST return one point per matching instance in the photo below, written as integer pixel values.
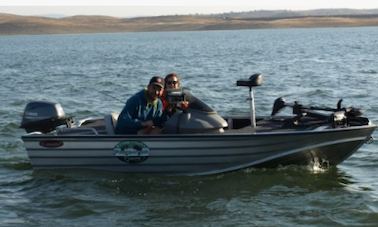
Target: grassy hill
(14, 24)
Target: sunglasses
(172, 82)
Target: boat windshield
(197, 104)
(181, 94)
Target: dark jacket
(137, 110)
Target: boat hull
(195, 154)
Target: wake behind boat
(197, 141)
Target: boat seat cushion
(76, 131)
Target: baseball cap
(157, 80)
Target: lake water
(93, 74)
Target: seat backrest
(110, 121)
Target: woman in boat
(172, 82)
(188, 101)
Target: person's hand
(149, 128)
(183, 105)
(147, 124)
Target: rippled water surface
(94, 74)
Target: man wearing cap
(143, 111)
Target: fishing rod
(111, 96)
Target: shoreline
(27, 25)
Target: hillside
(14, 24)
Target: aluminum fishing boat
(196, 141)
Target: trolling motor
(280, 103)
(339, 116)
(253, 81)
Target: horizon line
(62, 15)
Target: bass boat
(197, 141)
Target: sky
(133, 8)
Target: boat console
(198, 118)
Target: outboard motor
(44, 117)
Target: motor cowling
(42, 116)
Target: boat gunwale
(31, 137)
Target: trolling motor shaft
(253, 81)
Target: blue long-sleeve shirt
(137, 110)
